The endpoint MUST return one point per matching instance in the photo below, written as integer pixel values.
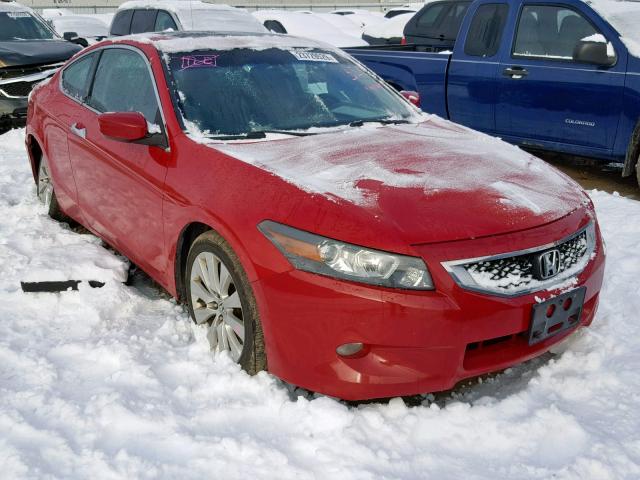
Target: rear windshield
(438, 21)
(240, 91)
(22, 26)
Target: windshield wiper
(383, 121)
(258, 134)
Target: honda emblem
(548, 264)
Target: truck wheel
(220, 296)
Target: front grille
(9, 73)
(516, 273)
(17, 89)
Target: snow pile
(114, 383)
(392, 28)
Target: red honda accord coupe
(316, 222)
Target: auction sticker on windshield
(307, 56)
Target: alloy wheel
(216, 302)
(45, 187)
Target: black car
(30, 51)
(435, 27)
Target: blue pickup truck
(558, 75)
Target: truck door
(472, 90)
(549, 99)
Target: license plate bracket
(556, 315)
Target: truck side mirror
(595, 53)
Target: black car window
(143, 21)
(274, 26)
(164, 22)
(438, 21)
(485, 31)
(121, 23)
(550, 31)
(123, 84)
(22, 26)
(75, 78)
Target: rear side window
(123, 84)
(164, 22)
(485, 31)
(76, 77)
(143, 21)
(121, 23)
(274, 26)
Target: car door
(471, 87)
(546, 98)
(120, 184)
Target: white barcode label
(307, 56)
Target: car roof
(13, 7)
(173, 5)
(187, 41)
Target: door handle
(79, 130)
(515, 72)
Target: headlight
(325, 256)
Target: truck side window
(550, 31)
(121, 23)
(143, 21)
(485, 31)
(164, 22)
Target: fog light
(349, 349)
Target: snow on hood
(417, 171)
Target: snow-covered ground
(117, 383)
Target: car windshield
(22, 26)
(219, 20)
(234, 92)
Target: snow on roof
(310, 26)
(172, 42)
(392, 28)
(624, 16)
(174, 5)
(13, 7)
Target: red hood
(435, 181)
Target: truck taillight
(403, 41)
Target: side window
(550, 31)
(430, 15)
(274, 26)
(485, 31)
(75, 78)
(164, 22)
(123, 84)
(121, 23)
(143, 21)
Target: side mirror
(129, 127)
(413, 97)
(595, 53)
(74, 38)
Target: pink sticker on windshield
(199, 61)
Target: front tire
(220, 296)
(46, 193)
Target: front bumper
(415, 342)
(14, 93)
